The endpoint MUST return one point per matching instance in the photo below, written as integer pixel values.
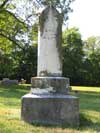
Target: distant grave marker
(7, 81)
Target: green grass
(87, 89)
(10, 107)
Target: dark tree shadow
(84, 123)
(13, 91)
(87, 123)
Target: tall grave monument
(49, 102)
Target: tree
(10, 28)
(62, 5)
(18, 31)
(15, 22)
(72, 55)
(92, 60)
(10, 25)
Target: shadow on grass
(89, 101)
(13, 91)
(85, 123)
(11, 95)
(63, 126)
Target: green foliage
(18, 36)
(92, 60)
(62, 5)
(81, 60)
(27, 66)
(72, 55)
(15, 44)
(18, 43)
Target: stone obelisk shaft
(49, 44)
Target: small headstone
(7, 81)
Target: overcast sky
(86, 16)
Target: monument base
(54, 109)
(50, 85)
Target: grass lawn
(10, 104)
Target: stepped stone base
(50, 85)
(52, 109)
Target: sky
(86, 16)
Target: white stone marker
(49, 43)
(48, 101)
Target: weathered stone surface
(51, 84)
(48, 102)
(49, 45)
(50, 109)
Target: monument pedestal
(54, 109)
(48, 101)
(50, 85)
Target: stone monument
(49, 102)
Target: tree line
(18, 44)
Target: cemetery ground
(10, 107)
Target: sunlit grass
(88, 89)
(10, 110)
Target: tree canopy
(18, 43)
(18, 34)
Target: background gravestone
(49, 102)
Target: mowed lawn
(10, 107)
